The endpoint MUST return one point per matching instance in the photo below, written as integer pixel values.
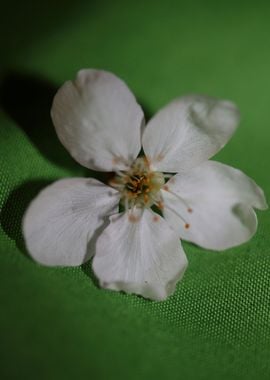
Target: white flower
(210, 204)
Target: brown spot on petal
(132, 218)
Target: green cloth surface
(55, 323)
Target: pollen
(139, 186)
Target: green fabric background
(54, 322)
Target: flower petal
(141, 255)
(212, 205)
(98, 120)
(188, 131)
(63, 218)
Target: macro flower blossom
(163, 181)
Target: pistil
(139, 186)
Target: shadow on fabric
(27, 100)
(14, 208)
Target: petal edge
(221, 201)
(136, 264)
(62, 219)
(98, 120)
(188, 131)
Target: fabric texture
(55, 323)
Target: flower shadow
(11, 217)
(88, 271)
(27, 99)
(12, 212)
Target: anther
(132, 218)
(182, 200)
(166, 188)
(187, 225)
(146, 198)
(155, 218)
(160, 205)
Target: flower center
(139, 186)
